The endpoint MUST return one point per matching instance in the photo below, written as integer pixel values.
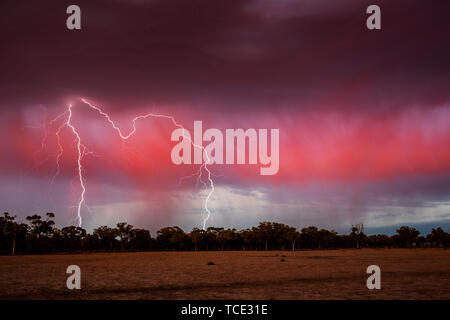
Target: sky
(363, 115)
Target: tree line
(39, 235)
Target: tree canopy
(39, 235)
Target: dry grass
(338, 274)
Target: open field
(333, 274)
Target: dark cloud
(227, 53)
(232, 58)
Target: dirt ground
(333, 274)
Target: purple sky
(364, 116)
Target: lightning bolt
(82, 150)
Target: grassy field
(334, 274)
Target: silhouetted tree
(293, 237)
(264, 233)
(72, 237)
(196, 236)
(41, 236)
(248, 238)
(379, 241)
(406, 236)
(107, 236)
(124, 232)
(41, 228)
(357, 234)
(41, 231)
(8, 230)
(280, 234)
(92, 242)
(437, 237)
(140, 239)
(212, 237)
(227, 236)
(171, 238)
(327, 239)
(310, 237)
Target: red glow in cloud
(314, 145)
(363, 146)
